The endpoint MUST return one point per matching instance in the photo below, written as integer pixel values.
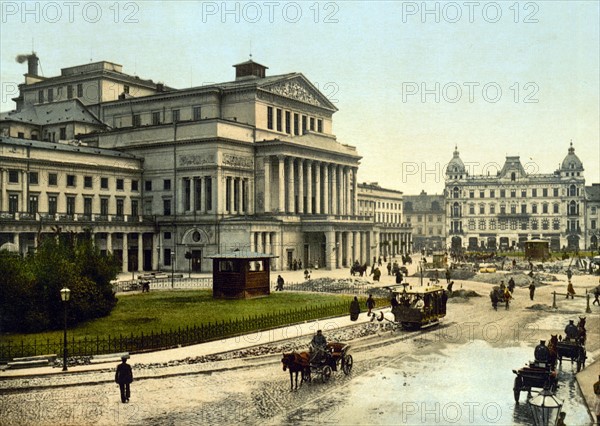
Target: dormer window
(513, 176)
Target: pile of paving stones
(521, 279)
(299, 344)
(331, 284)
(72, 361)
(461, 296)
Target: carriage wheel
(517, 388)
(326, 373)
(347, 364)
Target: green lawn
(165, 310)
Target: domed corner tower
(456, 168)
(571, 165)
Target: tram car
(419, 307)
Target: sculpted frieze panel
(294, 90)
(196, 159)
(237, 161)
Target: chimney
(32, 64)
(160, 87)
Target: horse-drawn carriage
(319, 362)
(573, 345)
(419, 307)
(540, 373)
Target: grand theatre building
(501, 210)
(167, 177)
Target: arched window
(456, 210)
(513, 176)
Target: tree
(30, 298)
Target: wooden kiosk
(241, 274)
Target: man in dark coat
(531, 290)
(399, 277)
(370, 304)
(124, 377)
(354, 309)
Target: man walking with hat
(124, 377)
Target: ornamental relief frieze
(237, 161)
(289, 103)
(294, 90)
(196, 159)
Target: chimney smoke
(32, 62)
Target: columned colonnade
(302, 186)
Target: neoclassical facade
(249, 164)
(501, 211)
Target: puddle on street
(469, 384)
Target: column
(3, 194)
(277, 250)
(309, 208)
(354, 191)
(300, 186)
(334, 190)
(125, 253)
(376, 244)
(354, 248)
(259, 242)
(291, 201)
(268, 247)
(140, 267)
(229, 190)
(317, 188)
(250, 195)
(281, 179)
(202, 183)
(330, 249)
(178, 203)
(241, 196)
(326, 199)
(267, 191)
(217, 185)
(155, 249)
(348, 203)
(109, 247)
(347, 249)
(17, 242)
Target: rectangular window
(41, 96)
(134, 208)
(481, 209)
(471, 209)
(80, 90)
(167, 236)
(481, 194)
(167, 184)
(296, 124)
(70, 91)
(104, 206)
(197, 193)
(492, 209)
(208, 194)
(523, 208)
(87, 206)
(555, 208)
(270, 118)
(471, 194)
(33, 204)
(52, 204)
(148, 185)
(196, 113)
(513, 209)
(13, 176)
(135, 185)
(502, 209)
(303, 124)
(71, 180)
(50, 95)
(288, 124)
(137, 120)
(156, 117)
(312, 124)
(523, 193)
(13, 203)
(167, 207)
(63, 133)
(87, 181)
(502, 193)
(70, 205)
(492, 193)
(534, 208)
(544, 192)
(175, 115)
(167, 257)
(279, 120)
(320, 126)
(555, 192)
(534, 192)
(544, 208)
(120, 185)
(33, 178)
(513, 193)
(104, 183)
(187, 194)
(593, 224)
(120, 204)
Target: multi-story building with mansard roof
(249, 164)
(501, 210)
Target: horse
(553, 348)
(581, 331)
(297, 362)
(358, 269)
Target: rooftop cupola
(249, 69)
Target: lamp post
(172, 269)
(65, 295)
(545, 408)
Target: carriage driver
(318, 346)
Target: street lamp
(172, 269)
(545, 408)
(65, 295)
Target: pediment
(299, 89)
